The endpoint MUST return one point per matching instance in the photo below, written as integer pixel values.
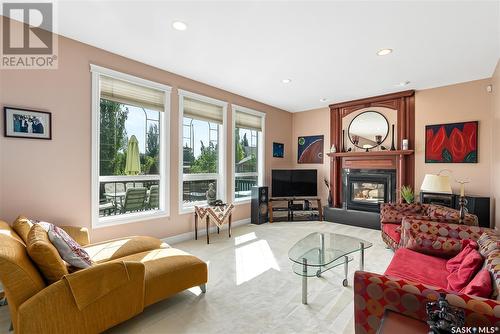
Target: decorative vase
(330, 201)
(393, 148)
(343, 141)
(211, 193)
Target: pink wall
(309, 123)
(468, 101)
(50, 180)
(495, 163)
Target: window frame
(164, 172)
(260, 154)
(221, 175)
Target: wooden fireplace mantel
(370, 154)
(403, 161)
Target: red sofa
(416, 276)
(392, 215)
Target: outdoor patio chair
(129, 185)
(154, 197)
(135, 198)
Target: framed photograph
(451, 143)
(278, 150)
(25, 123)
(310, 149)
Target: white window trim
(164, 176)
(221, 176)
(261, 153)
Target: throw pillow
(459, 279)
(488, 242)
(480, 285)
(22, 226)
(453, 264)
(432, 244)
(44, 254)
(68, 248)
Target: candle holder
(462, 204)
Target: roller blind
(202, 110)
(248, 121)
(128, 93)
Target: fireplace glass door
(367, 192)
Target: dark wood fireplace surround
(402, 103)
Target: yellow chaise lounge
(129, 274)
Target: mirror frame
(364, 112)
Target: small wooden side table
(395, 322)
(218, 214)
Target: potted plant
(407, 194)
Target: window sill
(242, 201)
(129, 218)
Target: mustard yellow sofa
(128, 275)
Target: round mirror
(368, 129)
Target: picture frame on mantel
(27, 123)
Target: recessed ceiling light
(323, 100)
(404, 83)
(384, 52)
(179, 25)
(286, 81)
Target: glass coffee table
(319, 252)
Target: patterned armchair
(373, 293)
(392, 215)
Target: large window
(248, 151)
(129, 155)
(202, 156)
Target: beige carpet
(252, 288)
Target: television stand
(292, 207)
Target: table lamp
(436, 184)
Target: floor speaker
(260, 201)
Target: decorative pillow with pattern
(432, 244)
(493, 266)
(488, 242)
(68, 248)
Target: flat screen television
(294, 183)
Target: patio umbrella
(133, 163)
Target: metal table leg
(361, 256)
(346, 270)
(304, 281)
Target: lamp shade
(436, 184)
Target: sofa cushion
(453, 264)
(68, 248)
(459, 279)
(117, 248)
(480, 285)
(395, 212)
(22, 226)
(168, 271)
(418, 267)
(393, 231)
(44, 254)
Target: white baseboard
(190, 235)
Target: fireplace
(365, 189)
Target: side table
(218, 214)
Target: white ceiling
(328, 49)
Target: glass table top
(322, 249)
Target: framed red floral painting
(451, 143)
